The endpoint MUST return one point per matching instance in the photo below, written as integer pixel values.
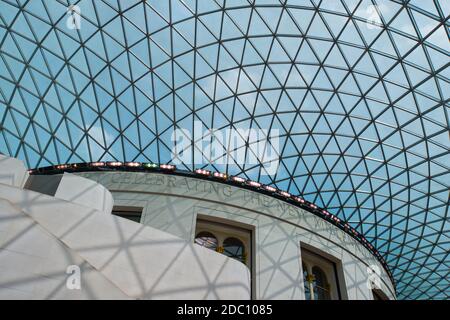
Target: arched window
(206, 239)
(234, 248)
(232, 241)
(321, 286)
(319, 277)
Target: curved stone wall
(172, 203)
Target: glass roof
(358, 89)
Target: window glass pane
(306, 283)
(206, 239)
(133, 215)
(234, 248)
(321, 286)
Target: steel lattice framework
(359, 90)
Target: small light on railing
(312, 205)
(61, 166)
(325, 212)
(332, 216)
(254, 184)
(203, 172)
(114, 164)
(285, 194)
(238, 179)
(97, 164)
(219, 175)
(133, 164)
(150, 165)
(167, 167)
(270, 189)
(298, 199)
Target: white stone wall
(172, 203)
(12, 172)
(85, 192)
(41, 236)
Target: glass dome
(357, 89)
